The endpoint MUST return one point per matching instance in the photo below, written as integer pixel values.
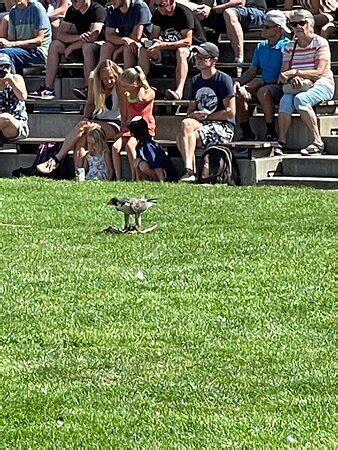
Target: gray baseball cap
(278, 18)
(207, 49)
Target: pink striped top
(307, 58)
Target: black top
(83, 22)
(182, 19)
(259, 4)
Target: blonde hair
(98, 90)
(100, 138)
(134, 75)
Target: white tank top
(112, 114)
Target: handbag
(289, 89)
(306, 84)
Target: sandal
(48, 166)
(172, 95)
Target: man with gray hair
(267, 60)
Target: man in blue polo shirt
(267, 60)
(127, 22)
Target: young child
(136, 98)
(97, 161)
(151, 161)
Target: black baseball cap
(207, 49)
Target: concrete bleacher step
(325, 166)
(331, 144)
(315, 182)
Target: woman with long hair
(136, 99)
(102, 110)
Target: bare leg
(56, 49)
(187, 142)
(129, 58)
(310, 119)
(71, 139)
(80, 152)
(131, 153)
(9, 125)
(116, 149)
(265, 99)
(144, 61)
(90, 55)
(284, 122)
(107, 51)
(235, 32)
(182, 55)
(242, 108)
(159, 174)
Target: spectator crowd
(118, 42)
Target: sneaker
(279, 149)
(48, 166)
(312, 150)
(42, 93)
(81, 93)
(188, 177)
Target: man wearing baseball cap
(13, 93)
(267, 61)
(211, 113)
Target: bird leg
(137, 221)
(126, 221)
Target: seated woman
(323, 13)
(102, 109)
(307, 79)
(13, 93)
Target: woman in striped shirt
(306, 61)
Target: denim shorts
(248, 17)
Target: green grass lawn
(227, 341)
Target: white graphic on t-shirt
(206, 98)
(172, 35)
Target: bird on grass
(135, 207)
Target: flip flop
(172, 95)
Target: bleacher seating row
(51, 120)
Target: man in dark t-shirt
(126, 24)
(211, 113)
(233, 16)
(79, 39)
(175, 29)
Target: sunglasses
(268, 27)
(301, 23)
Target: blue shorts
(248, 17)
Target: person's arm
(18, 85)
(186, 41)
(28, 43)
(93, 33)
(109, 164)
(60, 11)
(191, 107)
(67, 33)
(204, 11)
(229, 111)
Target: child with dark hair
(151, 161)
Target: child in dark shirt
(151, 161)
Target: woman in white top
(102, 110)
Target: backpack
(218, 165)
(45, 151)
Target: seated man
(79, 30)
(267, 59)
(211, 113)
(13, 118)
(233, 16)
(29, 34)
(125, 25)
(175, 29)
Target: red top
(143, 109)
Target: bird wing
(124, 205)
(138, 206)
